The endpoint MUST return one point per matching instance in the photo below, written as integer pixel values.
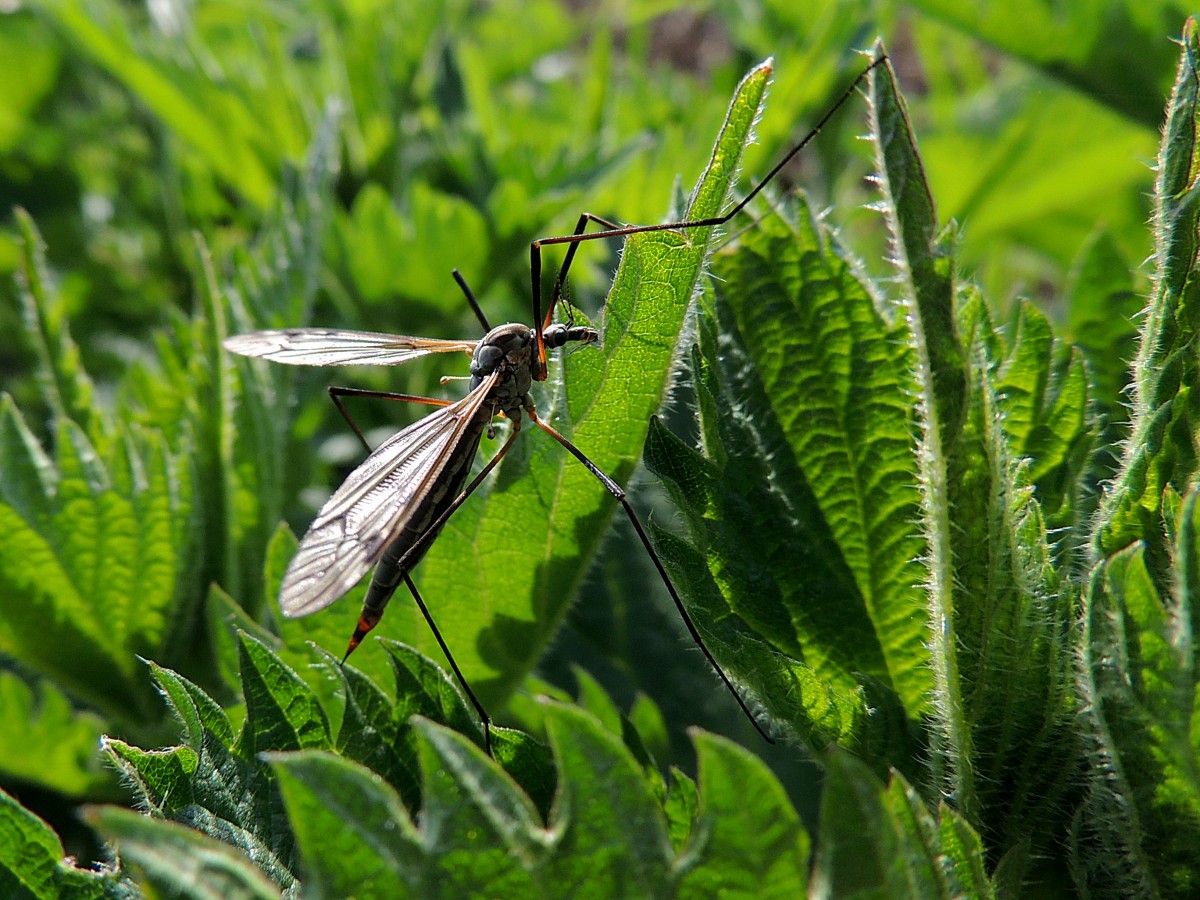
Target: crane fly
(389, 510)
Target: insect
(391, 508)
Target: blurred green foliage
(186, 170)
(465, 129)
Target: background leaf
(330, 159)
(461, 821)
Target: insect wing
(373, 504)
(335, 347)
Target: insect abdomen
(388, 572)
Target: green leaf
(29, 851)
(921, 258)
(1087, 44)
(76, 587)
(428, 229)
(100, 537)
(27, 474)
(681, 805)
(162, 780)
(747, 838)
(1143, 687)
(210, 121)
(1011, 606)
(820, 710)
(480, 830)
(927, 295)
(613, 834)
(483, 835)
(66, 388)
(834, 462)
(1027, 162)
(48, 742)
(175, 861)
(821, 439)
(1101, 320)
(282, 712)
(99, 545)
(812, 584)
(593, 698)
(33, 863)
(648, 722)
(376, 728)
(422, 688)
(883, 842)
(806, 420)
(31, 63)
(375, 732)
(353, 833)
(1160, 449)
(195, 710)
(211, 783)
(1042, 390)
(1000, 618)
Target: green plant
(977, 618)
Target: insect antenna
(470, 295)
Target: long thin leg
(561, 279)
(615, 489)
(535, 274)
(336, 393)
(462, 679)
(578, 237)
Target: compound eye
(487, 358)
(555, 336)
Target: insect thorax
(508, 350)
(511, 350)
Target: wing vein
(339, 347)
(374, 503)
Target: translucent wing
(334, 347)
(373, 504)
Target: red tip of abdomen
(366, 621)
